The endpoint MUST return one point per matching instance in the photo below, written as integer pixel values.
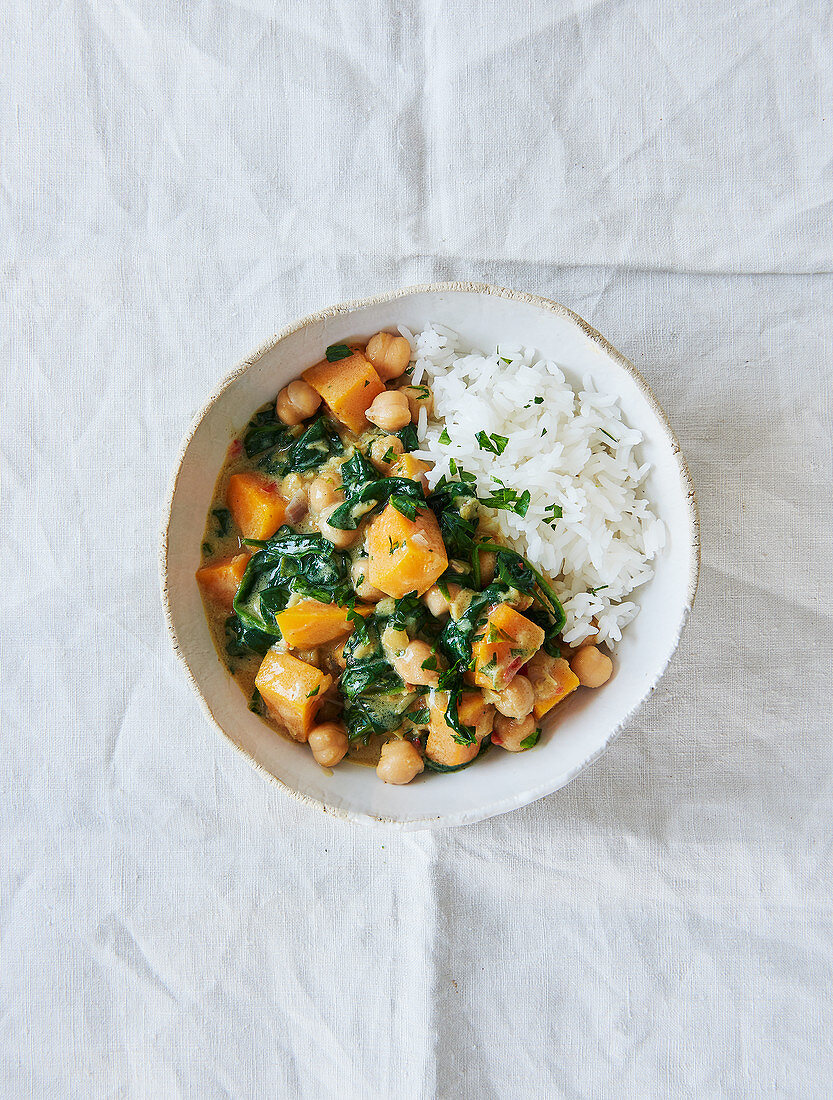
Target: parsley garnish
(507, 361)
(315, 691)
(531, 741)
(337, 351)
(538, 400)
(430, 663)
(444, 436)
(593, 591)
(496, 444)
(609, 436)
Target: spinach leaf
(462, 734)
(409, 438)
(242, 639)
(510, 563)
(316, 446)
(376, 494)
(222, 517)
(288, 563)
(458, 533)
(356, 472)
(264, 432)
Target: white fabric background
(178, 180)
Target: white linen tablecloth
(177, 181)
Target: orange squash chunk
(552, 680)
(293, 691)
(220, 580)
(472, 711)
(509, 640)
(405, 555)
(310, 623)
(254, 502)
(408, 466)
(348, 388)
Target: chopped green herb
(523, 503)
(338, 351)
(504, 360)
(256, 702)
(593, 591)
(420, 717)
(388, 455)
(496, 443)
(452, 465)
(538, 400)
(531, 741)
(556, 510)
(206, 548)
(609, 436)
(430, 663)
(466, 476)
(543, 432)
(223, 518)
(314, 692)
(444, 436)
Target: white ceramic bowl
(584, 725)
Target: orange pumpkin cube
(219, 580)
(310, 623)
(509, 640)
(293, 691)
(405, 555)
(472, 711)
(348, 388)
(552, 680)
(412, 468)
(254, 503)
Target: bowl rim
(511, 802)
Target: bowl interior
(583, 726)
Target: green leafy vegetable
(337, 351)
(408, 437)
(375, 494)
(444, 437)
(288, 563)
(531, 741)
(496, 443)
(222, 517)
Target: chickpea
(286, 411)
(390, 411)
(328, 743)
(436, 602)
(303, 397)
(321, 493)
(592, 667)
(515, 700)
(341, 539)
(509, 732)
(380, 449)
(363, 587)
(389, 354)
(409, 664)
(419, 397)
(399, 762)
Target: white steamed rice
(572, 449)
